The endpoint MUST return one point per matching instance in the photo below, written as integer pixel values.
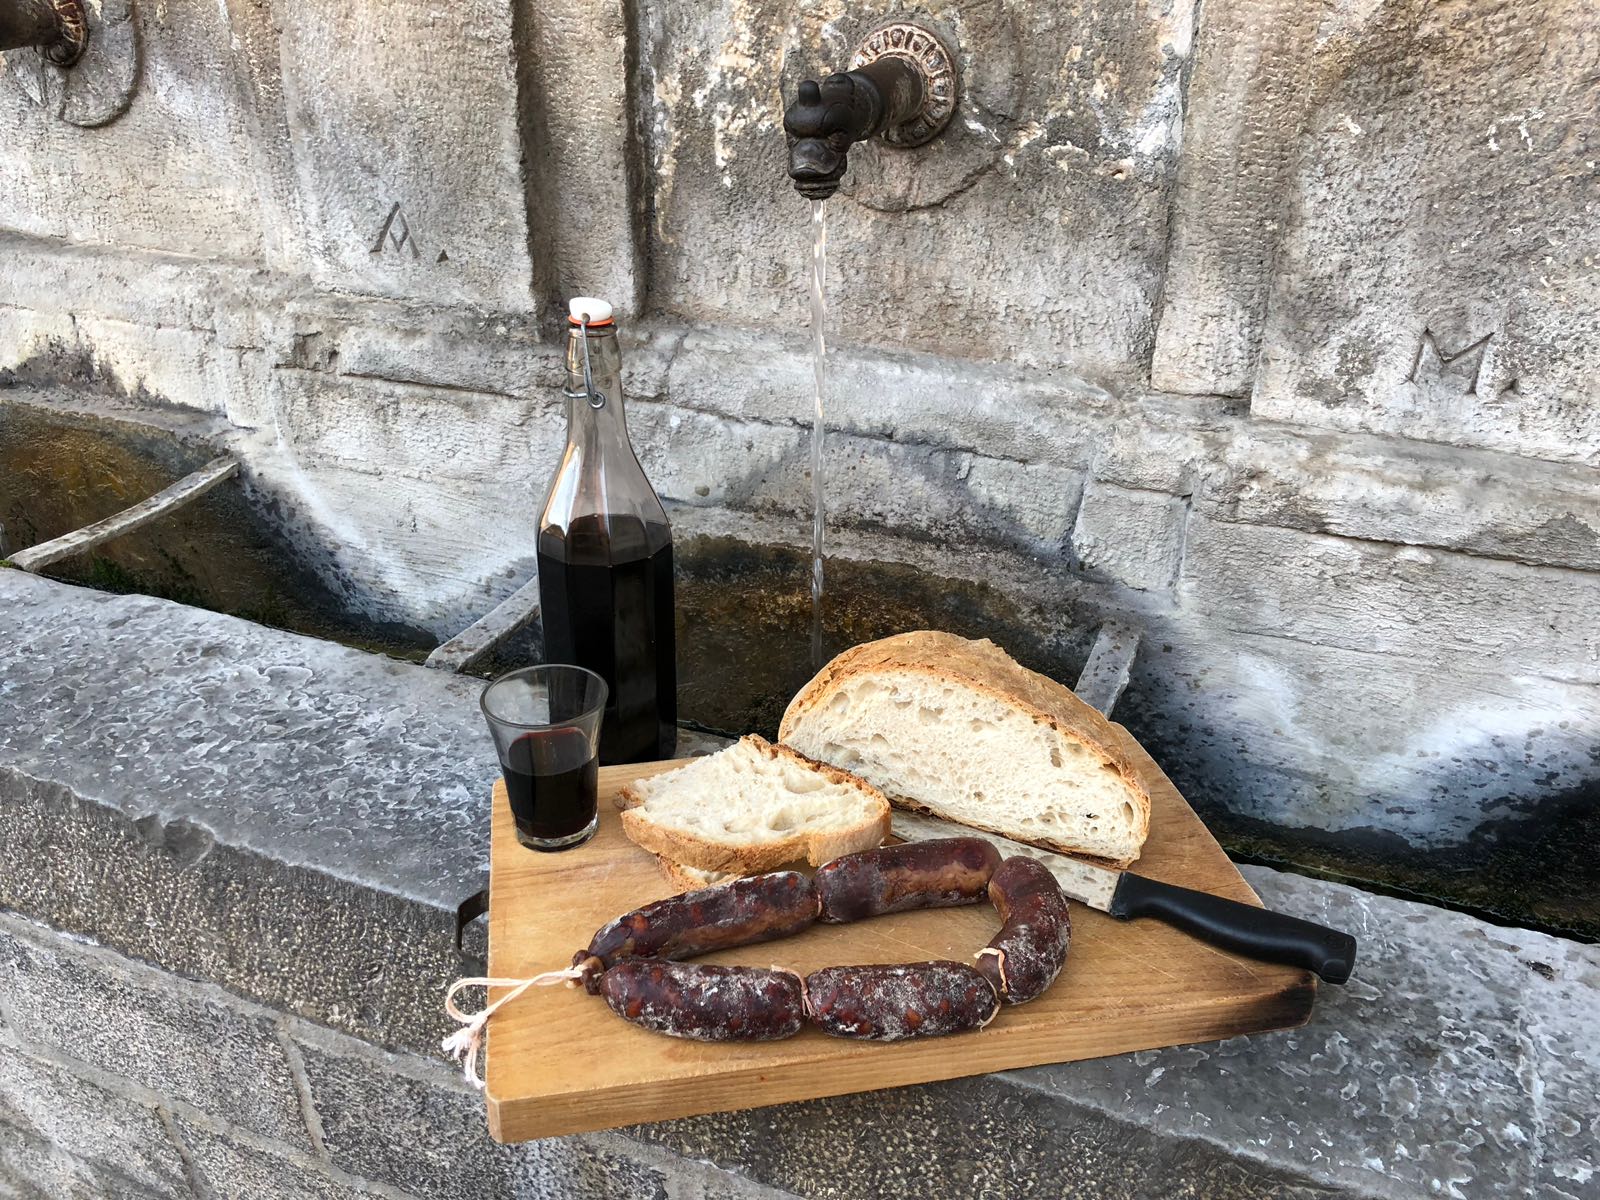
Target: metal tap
(901, 87)
(58, 28)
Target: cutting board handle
(1243, 928)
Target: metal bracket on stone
(1105, 675)
(472, 644)
(934, 61)
(468, 911)
(188, 489)
(86, 70)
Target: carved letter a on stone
(397, 232)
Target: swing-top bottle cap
(583, 310)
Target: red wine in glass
(551, 780)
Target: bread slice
(753, 807)
(961, 730)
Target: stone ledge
(1459, 1062)
(210, 762)
(295, 749)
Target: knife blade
(1228, 924)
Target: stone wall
(1269, 326)
(143, 1101)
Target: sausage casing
(704, 1002)
(908, 1000)
(741, 913)
(1027, 954)
(936, 874)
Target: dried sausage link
(704, 1002)
(740, 913)
(1027, 954)
(936, 874)
(893, 1003)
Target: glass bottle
(605, 554)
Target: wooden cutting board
(559, 1061)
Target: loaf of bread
(753, 807)
(959, 729)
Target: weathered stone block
(1243, 110)
(185, 1041)
(1373, 224)
(482, 356)
(28, 337)
(1479, 502)
(380, 427)
(167, 894)
(1130, 537)
(1414, 1079)
(403, 123)
(129, 363)
(368, 863)
(1033, 229)
(926, 493)
(994, 409)
(975, 1137)
(1160, 445)
(140, 287)
(411, 1123)
(1304, 735)
(187, 367)
(435, 554)
(1431, 280)
(123, 1142)
(175, 172)
(31, 1169)
(224, 1167)
(1459, 612)
(578, 86)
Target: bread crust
(679, 876)
(990, 671)
(816, 848)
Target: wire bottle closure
(596, 399)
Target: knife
(1242, 928)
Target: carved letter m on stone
(1433, 363)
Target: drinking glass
(546, 726)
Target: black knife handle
(1243, 928)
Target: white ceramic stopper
(595, 310)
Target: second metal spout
(57, 27)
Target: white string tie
(463, 1045)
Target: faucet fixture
(901, 87)
(58, 28)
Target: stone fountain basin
(68, 460)
(743, 610)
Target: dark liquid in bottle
(550, 780)
(606, 599)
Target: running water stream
(819, 373)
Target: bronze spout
(58, 28)
(902, 89)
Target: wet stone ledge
(239, 851)
(291, 818)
